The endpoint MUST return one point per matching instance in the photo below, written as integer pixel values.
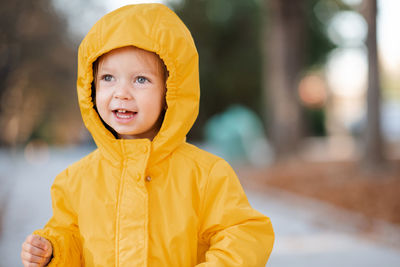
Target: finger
(30, 264)
(34, 250)
(48, 246)
(39, 242)
(29, 238)
(32, 258)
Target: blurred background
(301, 97)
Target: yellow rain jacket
(151, 203)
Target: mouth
(124, 114)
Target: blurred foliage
(37, 75)
(38, 62)
(316, 119)
(318, 44)
(228, 35)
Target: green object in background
(238, 136)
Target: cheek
(162, 97)
(150, 104)
(152, 100)
(98, 100)
(101, 100)
(161, 102)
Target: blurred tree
(285, 42)
(294, 41)
(227, 36)
(373, 156)
(37, 74)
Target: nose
(122, 91)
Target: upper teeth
(121, 111)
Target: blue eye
(107, 77)
(141, 79)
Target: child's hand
(36, 251)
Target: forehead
(133, 55)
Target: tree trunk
(283, 46)
(373, 156)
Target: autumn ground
(343, 184)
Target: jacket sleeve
(236, 234)
(62, 229)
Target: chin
(127, 133)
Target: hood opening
(156, 28)
(95, 67)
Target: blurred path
(28, 205)
(308, 233)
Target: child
(145, 197)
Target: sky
(114, 4)
(388, 33)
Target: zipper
(117, 220)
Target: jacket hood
(152, 27)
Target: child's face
(130, 92)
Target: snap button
(148, 178)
